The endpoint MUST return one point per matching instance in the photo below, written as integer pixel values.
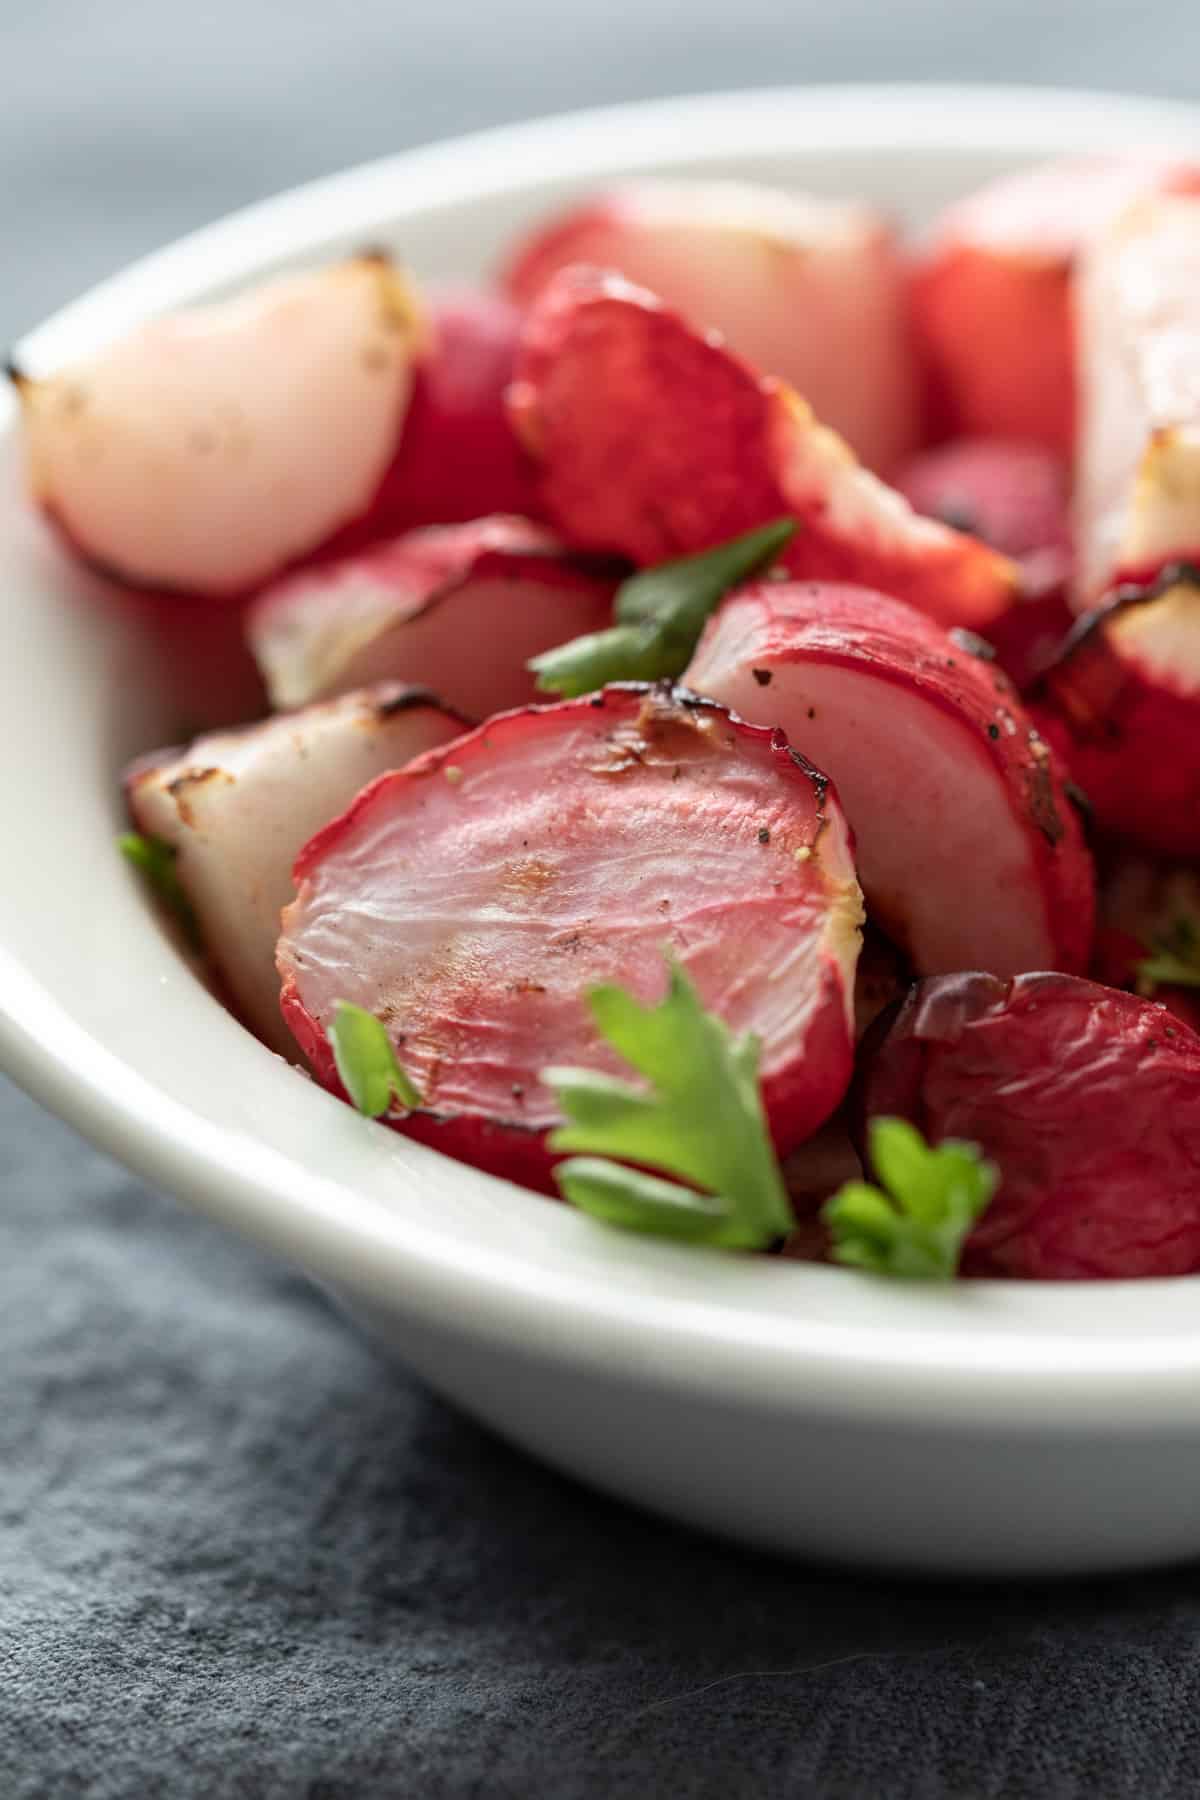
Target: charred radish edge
(915, 1219)
(1124, 598)
(660, 613)
(1101, 706)
(366, 1062)
(702, 1119)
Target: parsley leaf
(366, 1061)
(701, 1118)
(1175, 958)
(660, 614)
(916, 1222)
(154, 861)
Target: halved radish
(458, 456)
(1138, 495)
(992, 292)
(969, 851)
(655, 440)
(1084, 1098)
(459, 608)
(810, 290)
(1122, 704)
(471, 899)
(206, 450)
(237, 807)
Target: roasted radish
(655, 441)
(1014, 496)
(1138, 497)
(992, 295)
(809, 290)
(470, 900)
(237, 806)
(209, 449)
(969, 851)
(1122, 704)
(460, 609)
(1088, 1102)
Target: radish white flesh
(459, 608)
(208, 449)
(237, 806)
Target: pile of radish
(731, 583)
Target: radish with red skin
(237, 806)
(656, 441)
(993, 289)
(458, 608)
(1086, 1099)
(1121, 703)
(1015, 497)
(209, 449)
(1138, 494)
(969, 850)
(471, 899)
(458, 457)
(808, 289)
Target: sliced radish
(992, 293)
(969, 851)
(1086, 1100)
(237, 806)
(458, 456)
(471, 899)
(207, 450)
(458, 608)
(810, 290)
(1122, 704)
(655, 440)
(1138, 495)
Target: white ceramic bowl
(991, 1427)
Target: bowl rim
(1050, 1356)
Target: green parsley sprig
(1175, 956)
(659, 614)
(154, 861)
(700, 1119)
(367, 1063)
(915, 1223)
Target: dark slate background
(239, 1556)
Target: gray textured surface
(237, 1555)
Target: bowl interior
(102, 1019)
